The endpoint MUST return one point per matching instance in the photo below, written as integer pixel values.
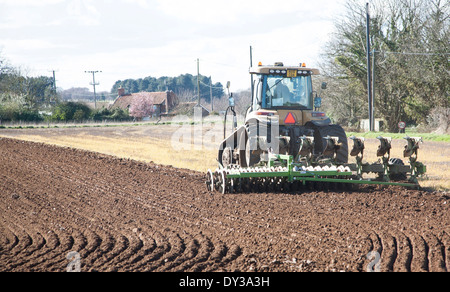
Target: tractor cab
(286, 92)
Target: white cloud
(28, 3)
(22, 45)
(142, 3)
(84, 12)
(139, 38)
(222, 11)
(212, 12)
(19, 14)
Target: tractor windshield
(283, 92)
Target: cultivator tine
(358, 152)
(410, 151)
(332, 147)
(385, 146)
(306, 148)
(412, 147)
(384, 151)
(358, 146)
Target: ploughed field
(122, 215)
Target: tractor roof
(280, 68)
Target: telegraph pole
(54, 80)
(251, 65)
(94, 84)
(53, 98)
(198, 80)
(210, 93)
(373, 89)
(369, 73)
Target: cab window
(282, 92)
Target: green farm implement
(286, 173)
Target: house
(189, 109)
(201, 109)
(163, 102)
(365, 125)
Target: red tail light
(265, 114)
(318, 115)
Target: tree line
(410, 41)
(185, 85)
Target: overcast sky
(139, 38)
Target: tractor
(286, 144)
(284, 109)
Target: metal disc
(210, 181)
(222, 182)
(216, 181)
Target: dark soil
(123, 215)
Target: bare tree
(410, 39)
(186, 95)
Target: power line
(221, 64)
(214, 87)
(414, 54)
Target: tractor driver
(283, 91)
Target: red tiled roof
(157, 98)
